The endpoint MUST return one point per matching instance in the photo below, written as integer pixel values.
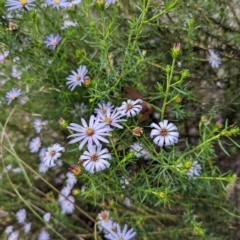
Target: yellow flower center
(107, 120)
(129, 106)
(104, 110)
(104, 216)
(52, 153)
(12, 96)
(163, 132)
(89, 131)
(94, 157)
(78, 78)
(188, 165)
(54, 42)
(23, 2)
(56, 2)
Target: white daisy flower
(52, 154)
(18, 4)
(105, 223)
(103, 107)
(67, 205)
(42, 168)
(35, 144)
(80, 109)
(131, 108)
(164, 133)
(11, 95)
(46, 217)
(94, 158)
(8, 229)
(44, 235)
(118, 234)
(27, 227)
(139, 151)
(3, 56)
(17, 170)
(214, 59)
(42, 154)
(77, 78)
(65, 191)
(93, 132)
(21, 215)
(57, 3)
(71, 179)
(13, 235)
(38, 124)
(195, 169)
(16, 73)
(111, 119)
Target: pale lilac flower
(42, 154)
(46, 217)
(107, 4)
(73, 3)
(18, 4)
(3, 56)
(58, 3)
(52, 154)
(77, 78)
(65, 191)
(89, 134)
(71, 180)
(8, 229)
(8, 168)
(21, 215)
(127, 202)
(27, 227)
(131, 108)
(17, 170)
(124, 234)
(13, 235)
(94, 158)
(194, 170)
(68, 23)
(44, 235)
(38, 124)
(214, 59)
(16, 73)
(103, 107)
(138, 150)
(80, 109)
(35, 144)
(111, 119)
(42, 168)
(52, 41)
(11, 95)
(105, 223)
(67, 205)
(164, 133)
